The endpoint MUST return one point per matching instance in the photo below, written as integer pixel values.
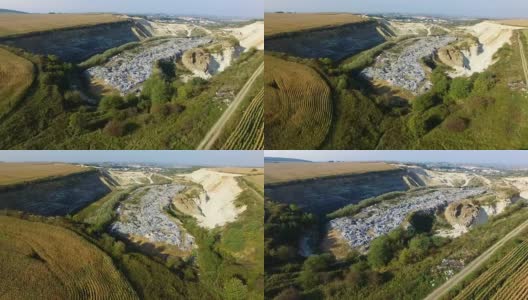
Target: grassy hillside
(42, 261)
(13, 173)
(53, 115)
(483, 111)
(404, 264)
(16, 75)
(230, 258)
(298, 105)
(14, 24)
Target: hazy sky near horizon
(517, 158)
(470, 8)
(203, 158)
(225, 8)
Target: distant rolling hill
(9, 11)
(283, 160)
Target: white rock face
(491, 37)
(250, 36)
(217, 202)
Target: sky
(470, 8)
(222, 8)
(510, 158)
(185, 158)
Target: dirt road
(474, 265)
(213, 134)
(523, 57)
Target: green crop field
(249, 133)
(503, 280)
(41, 261)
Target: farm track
(523, 58)
(249, 133)
(215, 131)
(474, 265)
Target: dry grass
(258, 180)
(16, 75)
(284, 172)
(282, 23)
(298, 105)
(11, 173)
(522, 23)
(41, 261)
(334, 243)
(12, 24)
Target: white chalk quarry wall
(491, 37)
(217, 202)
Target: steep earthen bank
(325, 195)
(335, 43)
(75, 44)
(56, 196)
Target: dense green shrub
(380, 252)
(460, 88)
(109, 102)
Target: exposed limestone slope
(208, 61)
(424, 177)
(210, 198)
(491, 37)
(250, 36)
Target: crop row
(249, 133)
(498, 278)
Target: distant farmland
(522, 23)
(13, 24)
(284, 172)
(11, 173)
(41, 261)
(276, 23)
(298, 106)
(16, 75)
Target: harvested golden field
(258, 180)
(249, 133)
(16, 76)
(276, 23)
(284, 172)
(41, 261)
(11, 173)
(522, 23)
(242, 171)
(13, 24)
(298, 105)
